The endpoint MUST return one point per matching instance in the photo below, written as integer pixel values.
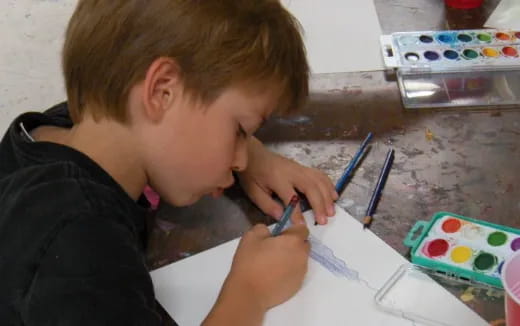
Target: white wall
(31, 36)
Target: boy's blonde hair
(110, 44)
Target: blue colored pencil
(352, 165)
(379, 188)
(279, 227)
(342, 181)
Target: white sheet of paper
(188, 289)
(506, 15)
(340, 35)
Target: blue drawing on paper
(324, 256)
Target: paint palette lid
(413, 293)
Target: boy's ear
(162, 84)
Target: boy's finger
(297, 216)
(285, 191)
(317, 202)
(331, 188)
(260, 231)
(324, 185)
(265, 202)
(301, 231)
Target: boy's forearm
(235, 306)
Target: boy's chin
(217, 193)
(189, 200)
(181, 201)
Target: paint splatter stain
(468, 295)
(498, 322)
(429, 135)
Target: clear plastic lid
(414, 292)
(475, 89)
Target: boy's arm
(91, 274)
(235, 306)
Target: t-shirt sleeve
(92, 273)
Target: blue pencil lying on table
(342, 181)
(367, 220)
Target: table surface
(459, 160)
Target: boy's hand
(269, 173)
(266, 271)
(271, 268)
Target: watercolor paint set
(462, 246)
(471, 68)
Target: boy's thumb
(260, 231)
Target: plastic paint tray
(452, 50)
(472, 68)
(462, 246)
(403, 294)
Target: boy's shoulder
(43, 182)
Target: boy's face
(194, 149)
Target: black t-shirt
(71, 239)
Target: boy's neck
(108, 143)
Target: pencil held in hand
(279, 227)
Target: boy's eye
(241, 132)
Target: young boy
(166, 93)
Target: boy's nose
(240, 162)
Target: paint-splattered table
(461, 161)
